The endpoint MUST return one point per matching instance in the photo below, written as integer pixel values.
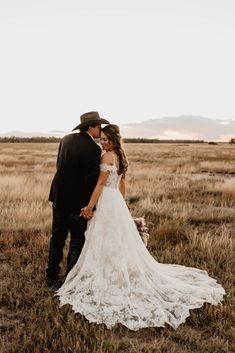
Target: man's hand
(86, 212)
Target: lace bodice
(113, 178)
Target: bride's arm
(122, 186)
(97, 191)
(106, 159)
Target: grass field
(187, 194)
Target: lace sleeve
(107, 168)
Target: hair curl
(113, 134)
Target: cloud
(177, 135)
(182, 127)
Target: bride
(115, 279)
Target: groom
(75, 178)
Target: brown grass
(186, 193)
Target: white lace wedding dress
(116, 280)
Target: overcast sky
(132, 60)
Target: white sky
(131, 60)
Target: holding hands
(86, 212)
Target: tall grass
(186, 193)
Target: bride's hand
(86, 212)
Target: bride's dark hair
(113, 134)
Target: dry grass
(186, 193)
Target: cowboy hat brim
(91, 122)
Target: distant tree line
(232, 140)
(30, 139)
(140, 140)
(57, 139)
(145, 140)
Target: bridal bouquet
(142, 229)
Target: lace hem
(144, 312)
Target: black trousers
(64, 222)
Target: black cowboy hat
(90, 118)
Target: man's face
(95, 131)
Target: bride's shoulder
(107, 158)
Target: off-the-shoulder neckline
(109, 165)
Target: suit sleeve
(58, 155)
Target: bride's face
(105, 142)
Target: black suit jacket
(77, 171)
